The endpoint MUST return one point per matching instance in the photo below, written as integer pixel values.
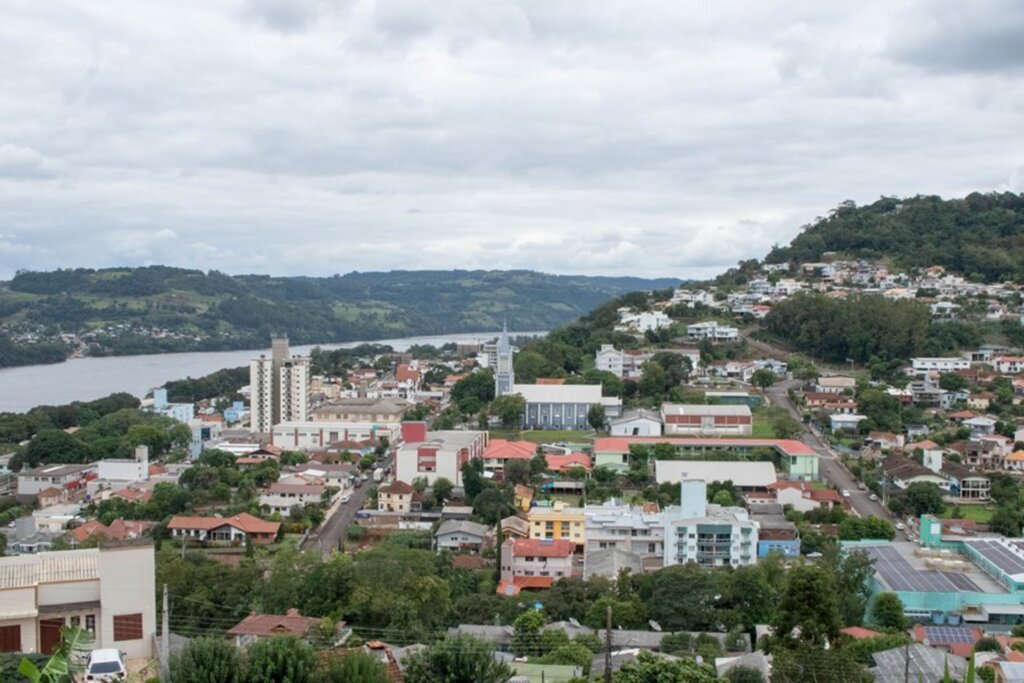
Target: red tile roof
(399, 488)
(245, 522)
(133, 495)
(406, 373)
(49, 492)
(118, 530)
(468, 562)
(535, 547)
(559, 463)
(825, 496)
(620, 444)
(519, 583)
(859, 633)
(274, 624)
(503, 449)
(550, 380)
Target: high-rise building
(504, 376)
(279, 387)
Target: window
(127, 627)
(76, 621)
(10, 638)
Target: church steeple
(504, 376)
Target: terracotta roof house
(553, 381)
(499, 451)
(561, 463)
(133, 495)
(256, 626)
(397, 497)
(224, 530)
(859, 633)
(50, 496)
(119, 530)
(534, 563)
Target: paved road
(830, 468)
(333, 529)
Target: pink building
(534, 563)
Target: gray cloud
(315, 137)
(981, 36)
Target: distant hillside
(161, 309)
(980, 236)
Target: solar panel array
(948, 634)
(996, 553)
(900, 575)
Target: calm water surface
(84, 379)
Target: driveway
(830, 468)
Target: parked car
(901, 526)
(346, 498)
(106, 665)
(846, 494)
(862, 486)
(872, 497)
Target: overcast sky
(651, 138)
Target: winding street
(830, 468)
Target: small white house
(461, 535)
(637, 423)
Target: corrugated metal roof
(69, 565)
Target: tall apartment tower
(279, 386)
(504, 375)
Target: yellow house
(558, 521)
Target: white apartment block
(646, 321)
(433, 455)
(69, 478)
(620, 526)
(108, 591)
(940, 364)
(281, 498)
(708, 535)
(713, 331)
(279, 388)
(622, 364)
(706, 420)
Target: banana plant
(66, 660)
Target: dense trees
(978, 235)
(887, 612)
(861, 328)
(456, 659)
(207, 660)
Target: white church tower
(504, 377)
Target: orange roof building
(226, 530)
(119, 530)
(257, 626)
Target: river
(84, 379)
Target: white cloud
(652, 137)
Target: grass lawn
(975, 513)
(761, 429)
(544, 435)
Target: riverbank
(85, 379)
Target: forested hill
(980, 236)
(156, 309)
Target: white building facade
(107, 591)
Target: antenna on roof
(655, 626)
(574, 622)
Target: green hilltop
(980, 236)
(163, 309)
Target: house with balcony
(708, 535)
(558, 521)
(533, 564)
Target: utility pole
(906, 663)
(608, 646)
(165, 640)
